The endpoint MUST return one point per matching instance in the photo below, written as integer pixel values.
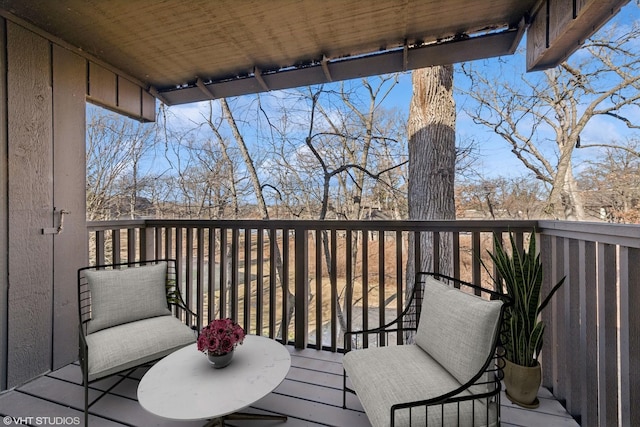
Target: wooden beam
(449, 52)
(206, 90)
(325, 68)
(560, 27)
(257, 73)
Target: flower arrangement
(220, 336)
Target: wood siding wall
(559, 27)
(44, 86)
(4, 220)
(30, 204)
(69, 85)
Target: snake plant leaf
(520, 276)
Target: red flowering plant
(220, 336)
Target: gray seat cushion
(457, 329)
(122, 296)
(128, 345)
(385, 376)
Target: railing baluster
(115, 242)
(259, 280)
(589, 333)
(211, 280)
(168, 242)
(131, 245)
(436, 252)
(301, 288)
(334, 290)
(633, 278)
(561, 322)
(381, 284)
(224, 267)
(400, 283)
(318, 297)
(235, 254)
(624, 293)
(200, 271)
(272, 282)
(100, 248)
(246, 305)
(158, 242)
(285, 286)
(574, 387)
(608, 334)
(476, 253)
(348, 309)
(179, 262)
(188, 267)
(365, 285)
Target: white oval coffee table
(184, 386)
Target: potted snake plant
(520, 277)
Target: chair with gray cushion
(436, 364)
(130, 314)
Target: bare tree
(500, 198)
(253, 177)
(351, 152)
(118, 170)
(611, 184)
(543, 115)
(348, 147)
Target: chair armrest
(180, 308)
(384, 333)
(407, 321)
(176, 303)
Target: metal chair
(130, 314)
(472, 394)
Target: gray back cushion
(456, 328)
(126, 295)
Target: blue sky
(495, 157)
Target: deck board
(311, 396)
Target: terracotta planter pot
(522, 384)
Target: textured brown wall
(69, 172)
(30, 204)
(42, 172)
(4, 277)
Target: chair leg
(86, 403)
(344, 389)
(85, 383)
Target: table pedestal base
(219, 422)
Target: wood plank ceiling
(186, 51)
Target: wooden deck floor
(311, 395)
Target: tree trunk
(432, 155)
(262, 206)
(565, 201)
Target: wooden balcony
(307, 281)
(337, 275)
(311, 395)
